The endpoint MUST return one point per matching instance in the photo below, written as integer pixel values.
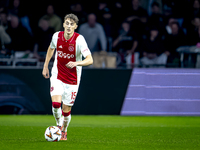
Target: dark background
(100, 92)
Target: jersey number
(73, 95)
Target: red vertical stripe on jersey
(132, 58)
(66, 51)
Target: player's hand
(45, 72)
(71, 64)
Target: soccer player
(66, 72)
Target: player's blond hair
(72, 17)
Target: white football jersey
(68, 50)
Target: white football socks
(57, 115)
(66, 122)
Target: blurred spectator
(15, 7)
(107, 20)
(168, 27)
(153, 49)
(94, 34)
(138, 19)
(19, 9)
(193, 31)
(136, 11)
(102, 5)
(195, 10)
(178, 7)
(126, 43)
(4, 18)
(21, 40)
(167, 13)
(54, 20)
(109, 27)
(117, 8)
(103, 11)
(156, 18)
(42, 38)
(147, 5)
(78, 10)
(4, 39)
(3, 4)
(155, 8)
(174, 40)
(193, 38)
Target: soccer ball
(52, 134)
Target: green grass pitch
(24, 132)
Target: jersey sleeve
(54, 40)
(83, 46)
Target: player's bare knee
(66, 109)
(56, 98)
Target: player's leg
(68, 100)
(66, 112)
(56, 92)
(56, 109)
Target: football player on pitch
(66, 72)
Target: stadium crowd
(141, 32)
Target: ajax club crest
(71, 48)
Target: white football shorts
(67, 91)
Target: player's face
(69, 26)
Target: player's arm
(86, 62)
(49, 55)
